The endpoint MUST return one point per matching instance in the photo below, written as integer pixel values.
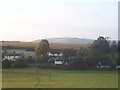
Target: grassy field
(52, 45)
(26, 53)
(26, 78)
(34, 44)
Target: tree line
(102, 52)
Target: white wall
(11, 57)
(58, 62)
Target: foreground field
(27, 78)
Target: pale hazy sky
(28, 20)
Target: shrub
(78, 63)
(30, 60)
(20, 63)
(6, 64)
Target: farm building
(13, 56)
(56, 56)
(57, 60)
(55, 52)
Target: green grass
(26, 78)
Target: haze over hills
(68, 40)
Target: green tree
(68, 53)
(100, 48)
(119, 52)
(79, 61)
(114, 46)
(81, 52)
(101, 45)
(114, 54)
(42, 49)
(90, 57)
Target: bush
(78, 63)
(30, 60)
(20, 63)
(6, 64)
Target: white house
(55, 54)
(56, 57)
(12, 56)
(57, 60)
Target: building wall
(11, 57)
(58, 62)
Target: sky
(27, 20)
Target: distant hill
(68, 40)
